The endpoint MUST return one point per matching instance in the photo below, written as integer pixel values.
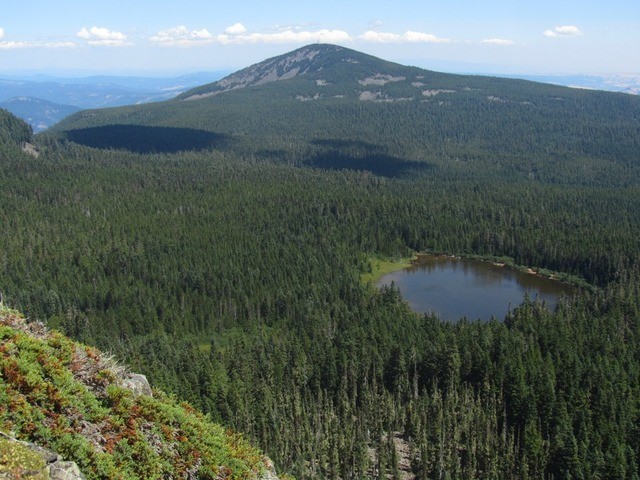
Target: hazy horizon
(465, 37)
(441, 66)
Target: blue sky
(137, 36)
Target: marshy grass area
(379, 267)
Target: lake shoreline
(454, 287)
(381, 267)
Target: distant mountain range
(629, 83)
(42, 101)
(38, 113)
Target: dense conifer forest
(230, 275)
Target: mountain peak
(305, 60)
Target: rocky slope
(68, 398)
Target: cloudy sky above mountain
(546, 36)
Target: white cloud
(381, 37)
(563, 31)
(237, 35)
(375, 24)
(202, 34)
(406, 37)
(100, 36)
(286, 36)
(56, 45)
(498, 41)
(181, 36)
(235, 29)
(423, 37)
(16, 45)
(13, 45)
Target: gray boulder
(64, 471)
(270, 473)
(137, 383)
(56, 468)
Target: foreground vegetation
(70, 398)
(255, 247)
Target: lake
(454, 288)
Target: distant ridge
(39, 113)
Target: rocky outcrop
(38, 463)
(270, 473)
(137, 383)
(30, 149)
(283, 67)
(64, 471)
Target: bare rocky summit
(284, 67)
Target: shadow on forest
(275, 155)
(142, 139)
(358, 155)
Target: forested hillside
(230, 272)
(13, 131)
(331, 107)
